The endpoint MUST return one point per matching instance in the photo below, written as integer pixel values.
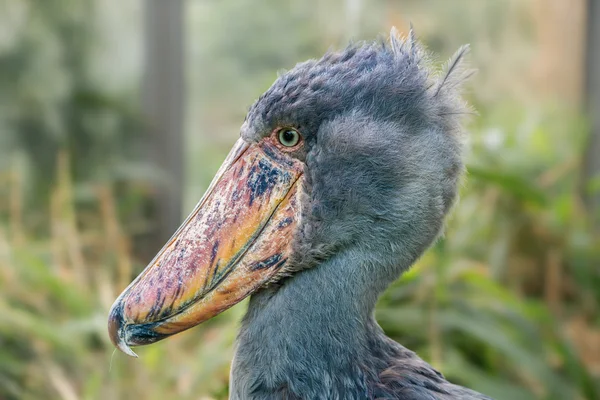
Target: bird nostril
(116, 329)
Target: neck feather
(317, 328)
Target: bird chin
(235, 241)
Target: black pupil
(288, 136)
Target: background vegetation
(507, 303)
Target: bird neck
(312, 336)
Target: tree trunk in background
(163, 109)
(559, 29)
(592, 160)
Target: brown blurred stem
(163, 103)
(592, 157)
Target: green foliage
(51, 101)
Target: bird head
(359, 150)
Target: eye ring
(288, 137)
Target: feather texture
(454, 74)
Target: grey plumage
(382, 167)
(451, 77)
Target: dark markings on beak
(280, 158)
(240, 171)
(213, 257)
(157, 307)
(285, 222)
(214, 273)
(143, 333)
(179, 287)
(276, 260)
(213, 252)
(177, 291)
(181, 254)
(260, 181)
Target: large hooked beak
(235, 241)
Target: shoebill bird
(341, 179)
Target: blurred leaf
(513, 184)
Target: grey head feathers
(391, 81)
(377, 117)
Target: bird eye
(288, 137)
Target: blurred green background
(98, 164)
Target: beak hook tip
(116, 331)
(126, 349)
